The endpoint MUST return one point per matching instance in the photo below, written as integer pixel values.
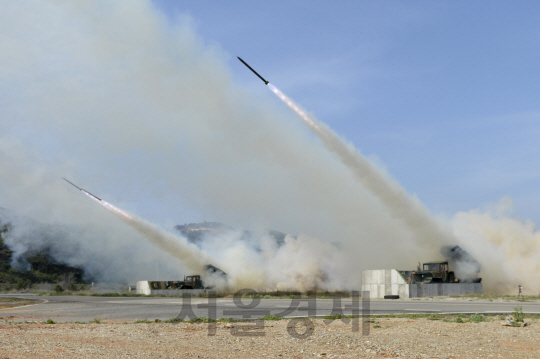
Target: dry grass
(10, 302)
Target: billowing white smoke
(508, 248)
(260, 262)
(139, 110)
(144, 114)
(105, 254)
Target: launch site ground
(87, 326)
(36, 332)
(74, 308)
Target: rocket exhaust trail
(187, 253)
(390, 193)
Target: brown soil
(388, 338)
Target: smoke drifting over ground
(507, 247)
(143, 113)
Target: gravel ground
(388, 337)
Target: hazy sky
(144, 104)
(444, 94)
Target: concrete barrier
(383, 282)
(143, 287)
(443, 289)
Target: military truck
(189, 282)
(466, 267)
(192, 282)
(432, 272)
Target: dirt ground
(388, 338)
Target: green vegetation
(518, 315)
(451, 318)
(42, 269)
(434, 317)
(499, 297)
(271, 317)
(9, 302)
(477, 318)
(3, 300)
(227, 320)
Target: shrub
(477, 318)
(22, 284)
(518, 315)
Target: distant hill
(197, 232)
(42, 268)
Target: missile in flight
(82, 190)
(255, 72)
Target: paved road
(120, 309)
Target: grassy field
(9, 302)
(498, 297)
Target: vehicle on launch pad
(439, 272)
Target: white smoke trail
(242, 172)
(299, 264)
(430, 233)
(179, 247)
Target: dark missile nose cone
(255, 72)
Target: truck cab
(433, 272)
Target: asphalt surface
(129, 309)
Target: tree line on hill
(41, 268)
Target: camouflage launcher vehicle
(189, 282)
(439, 272)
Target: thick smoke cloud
(144, 114)
(140, 111)
(506, 246)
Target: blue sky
(145, 103)
(444, 94)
